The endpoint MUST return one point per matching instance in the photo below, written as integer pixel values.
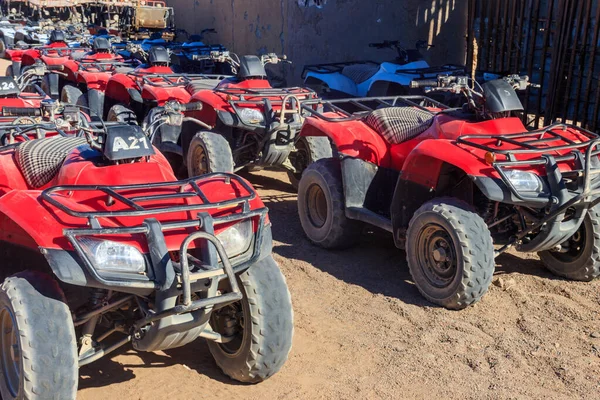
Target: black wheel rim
(301, 159)
(436, 255)
(316, 204)
(230, 321)
(11, 352)
(573, 248)
(200, 161)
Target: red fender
(167, 93)
(15, 55)
(352, 138)
(424, 163)
(117, 88)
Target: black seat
(40, 160)
(204, 84)
(359, 73)
(399, 124)
(101, 45)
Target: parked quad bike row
(137, 229)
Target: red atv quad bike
(451, 183)
(113, 249)
(56, 53)
(49, 119)
(135, 92)
(25, 91)
(250, 124)
(87, 75)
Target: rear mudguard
(16, 67)
(95, 100)
(53, 85)
(352, 138)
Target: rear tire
(39, 351)
(9, 71)
(581, 261)
(120, 113)
(308, 150)
(209, 152)
(70, 95)
(2, 48)
(321, 206)
(264, 338)
(450, 253)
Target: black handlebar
(192, 106)
(424, 83)
(21, 112)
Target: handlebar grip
(424, 83)
(21, 112)
(56, 67)
(192, 106)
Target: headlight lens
(237, 238)
(524, 181)
(252, 116)
(111, 256)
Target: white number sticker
(134, 143)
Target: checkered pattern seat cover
(360, 72)
(399, 124)
(41, 159)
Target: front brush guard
(553, 228)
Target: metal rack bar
(51, 195)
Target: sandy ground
(363, 331)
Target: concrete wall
(331, 30)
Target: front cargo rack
(539, 142)
(134, 203)
(153, 230)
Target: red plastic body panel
(15, 54)
(420, 159)
(214, 101)
(43, 224)
(118, 84)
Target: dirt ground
(363, 331)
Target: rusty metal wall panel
(555, 42)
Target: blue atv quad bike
(193, 56)
(369, 78)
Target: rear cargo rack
(174, 80)
(332, 68)
(57, 52)
(422, 72)
(202, 49)
(339, 110)
(101, 66)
